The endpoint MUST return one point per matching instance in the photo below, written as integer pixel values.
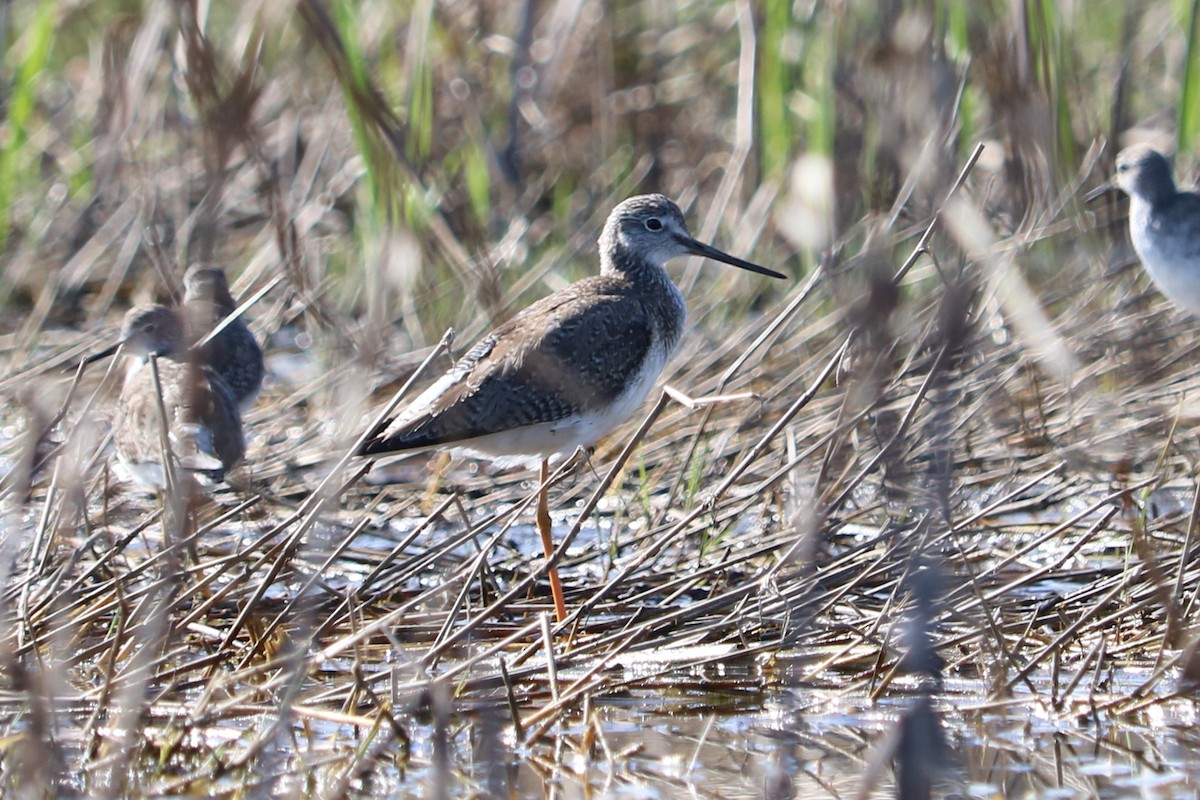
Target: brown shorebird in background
(232, 352)
(567, 369)
(203, 432)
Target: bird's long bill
(701, 249)
(105, 353)
(1099, 191)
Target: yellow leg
(437, 472)
(543, 524)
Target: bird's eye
(1122, 167)
(654, 224)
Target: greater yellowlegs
(566, 370)
(232, 353)
(203, 431)
(1164, 224)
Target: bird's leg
(543, 524)
(438, 475)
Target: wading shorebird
(233, 353)
(566, 370)
(1164, 224)
(203, 431)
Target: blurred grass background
(413, 160)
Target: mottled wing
(567, 354)
(237, 358)
(233, 353)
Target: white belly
(1175, 272)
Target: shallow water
(760, 705)
(761, 730)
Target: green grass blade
(1189, 89)
(38, 39)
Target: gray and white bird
(1164, 224)
(570, 367)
